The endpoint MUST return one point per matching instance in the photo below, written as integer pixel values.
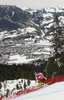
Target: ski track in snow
(40, 95)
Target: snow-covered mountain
(25, 33)
(12, 17)
(46, 16)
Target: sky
(34, 4)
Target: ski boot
(39, 84)
(42, 83)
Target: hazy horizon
(34, 4)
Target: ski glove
(45, 78)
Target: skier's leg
(39, 83)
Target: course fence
(46, 83)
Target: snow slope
(52, 92)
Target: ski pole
(46, 69)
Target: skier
(39, 78)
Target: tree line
(26, 71)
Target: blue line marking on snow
(38, 95)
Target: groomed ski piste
(52, 92)
(53, 89)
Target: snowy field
(52, 92)
(19, 59)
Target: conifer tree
(25, 85)
(28, 82)
(57, 42)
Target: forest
(11, 72)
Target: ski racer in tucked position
(39, 78)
